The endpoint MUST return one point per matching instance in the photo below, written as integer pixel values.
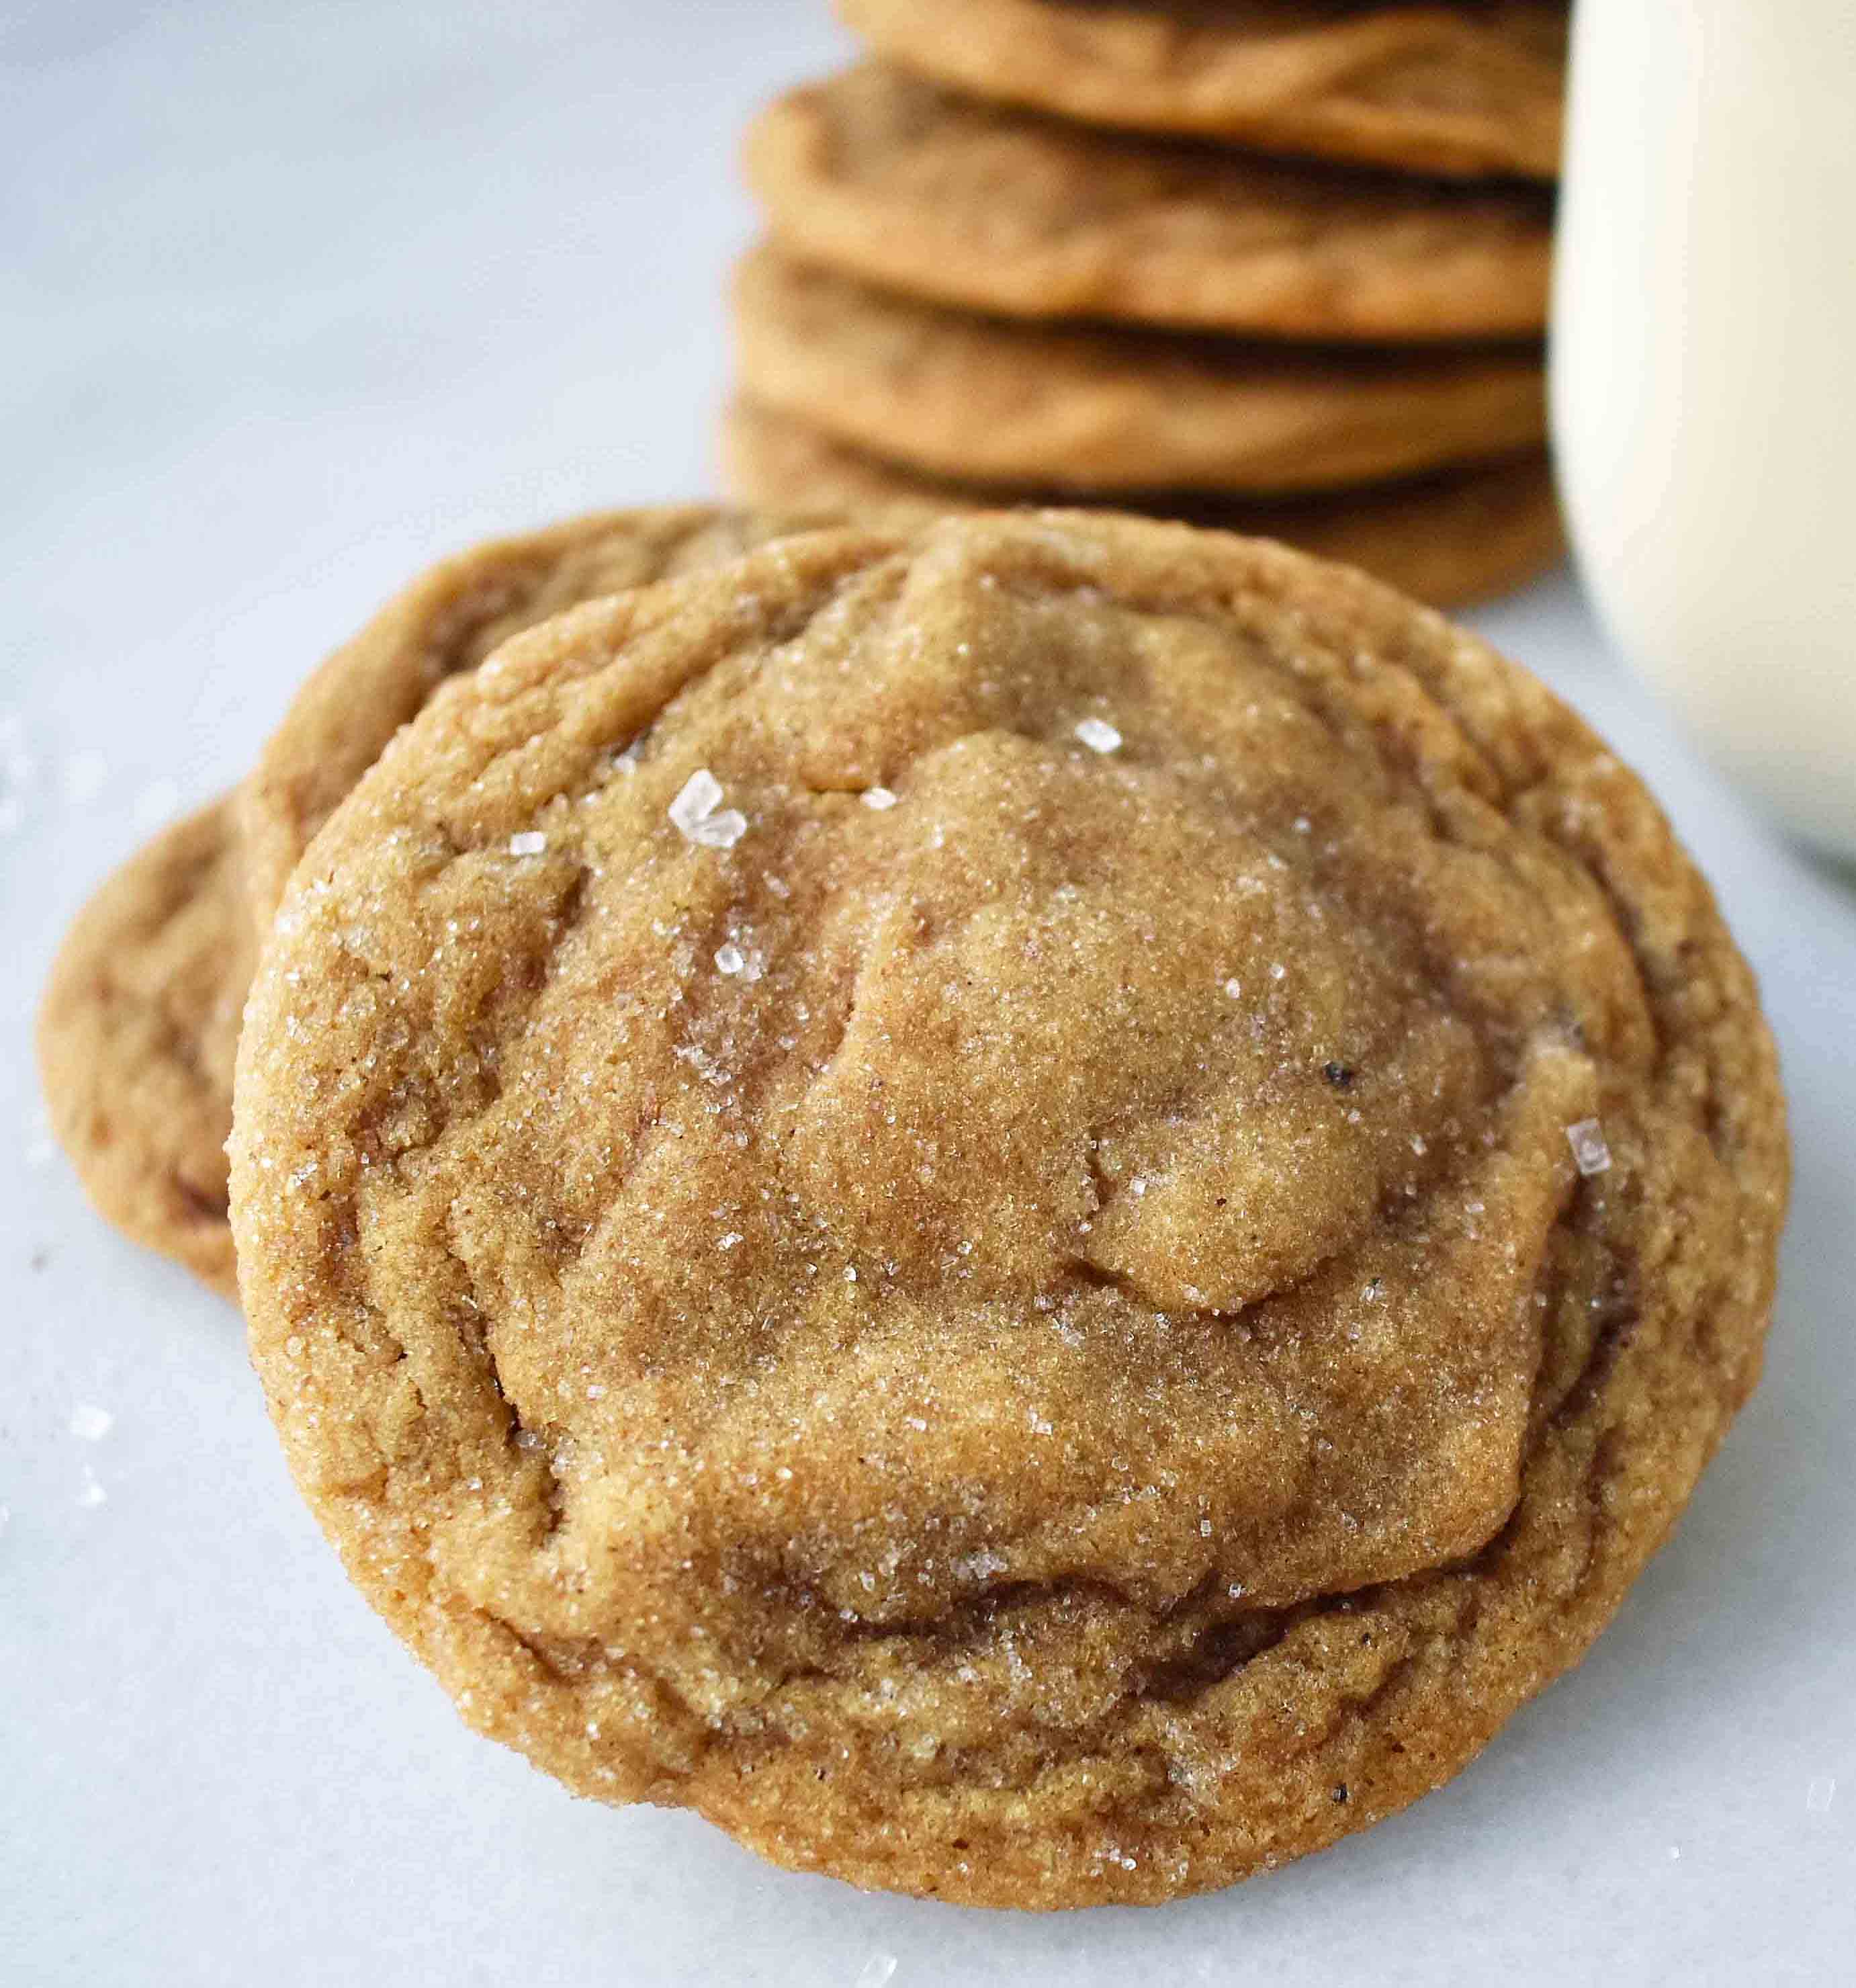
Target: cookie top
(447, 620)
(1097, 409)
(889, 178)
(1469, 88)
(1037, 1212)
(1454, 537)
(137, 1029)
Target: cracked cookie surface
(1037, 1210)
(447, 620)
(885, 177)
(1472, 87)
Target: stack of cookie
(1274, 265)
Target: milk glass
(1704, 375)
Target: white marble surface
(295, 296)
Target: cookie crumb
(89, 1423)
(1098, 734)
(1590, 1152)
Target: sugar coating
(1098, 734)
(983, 1407)
(1590, 1154)
(700, 817)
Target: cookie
(889, 179)
(1456, 537)
(140, 1016)
(1464, 89)
(1037, 1211)
(1095, 409)
(137, 1028)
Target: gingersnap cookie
(139, 1020)
(1456, 536)
(889, 179)
(1037, 1211)
(1466, 88)
(1096, 409)
(137, 1029)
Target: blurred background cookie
(1470, 86)
(883, 176)
(1452, 537)
(1172, 255)
(1099, 407)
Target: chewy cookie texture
(1036, 1207)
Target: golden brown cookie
(1468, 87)
(1038, 1213)
(889, 179)
(137, 1028)
(1095, 409)
(1451, 538)
(140, 1016)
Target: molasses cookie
(1469, 87)
(137, 1032)
(1037, 1211)
(1100, 408)
(889, 179)
(1456, 536)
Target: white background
(293, 297)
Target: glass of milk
(1704, 375)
